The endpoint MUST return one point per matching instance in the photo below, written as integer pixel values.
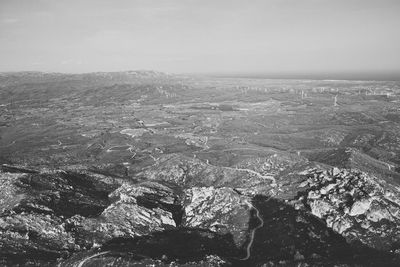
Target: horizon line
(334, 76)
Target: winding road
(253, 232)
(82, 262)
(248, 248)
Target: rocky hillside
(69, 217)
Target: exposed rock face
(136, 210)
(32, 224)
(9, 192)
(34, 235)
(218, 209)
(358, 206)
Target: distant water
(314, 76)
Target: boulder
(360, 207)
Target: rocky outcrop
(35, 206)
(10, 195)
(33, 236)
(136, 209)
(218, 209)
(356, 205)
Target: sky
(201, 36)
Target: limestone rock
(321, 208)
(218, 209)
(137, 209)
(351, 202)
(360, 207)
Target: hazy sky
(200, 35)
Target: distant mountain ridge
(14, 78)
